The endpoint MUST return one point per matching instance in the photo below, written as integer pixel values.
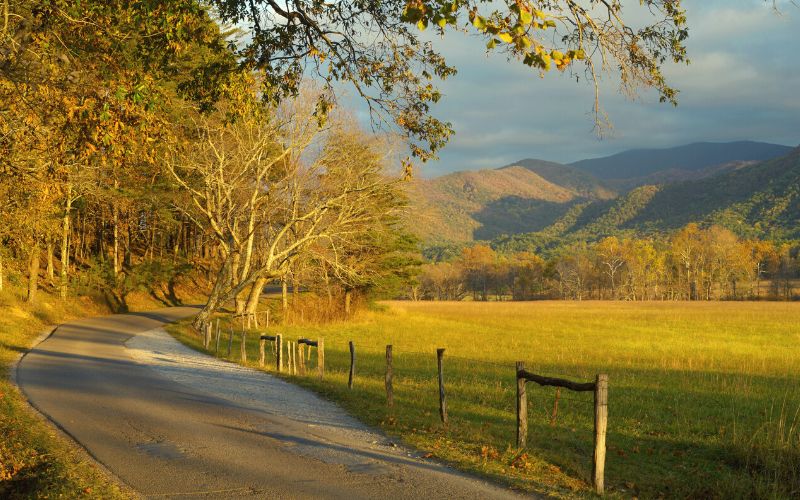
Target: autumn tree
(376, 47)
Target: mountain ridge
(534, 196)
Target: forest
(693, 263)
(125, 169)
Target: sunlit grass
(693, 388)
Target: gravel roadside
(358, 447)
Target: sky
(743, 84)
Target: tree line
(693, 263)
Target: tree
(375, 46)
(478, 262)
(259, 186)
(611, 258)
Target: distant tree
(527, 271)
(575, 270)
(478, 262)
(611, 257)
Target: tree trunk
(348, 300)
(51, 269)
(236, 277)
(215, 298)
(65, 242)
(116, 243)
(33, 274)
(284, 294)
(1, 271)
(255, 295)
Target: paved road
(165, 438)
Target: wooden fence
(600, 389)
(298, 352)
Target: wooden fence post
(230, 341)
(352, 365)
(301, 352)
(442, 401)
(321, 357)
(266, 322)
(216, 348)
(244, 348)
(522, 407)
(206, 335)
(389, 374)
(279, 352)
(261, 345)
(600, 424)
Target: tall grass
(772, 454)
(688, 392)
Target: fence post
(442, 401)
(261, 345)
(230, 341)
(600, 424)
(352, 365)
(279, 352)
(389, 374)
(206, 335)
(301, 353)
(244, 348)
(522, 407)
(321, 357)
(216, 348)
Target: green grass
(703, 397)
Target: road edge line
(73, 443)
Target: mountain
(547, 201)
(758, 200)
(693, 161)
(465, 206)
(572, 178)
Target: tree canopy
(378, 47)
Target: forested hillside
(759, 201)
(649, 166)
(536, 205)
(486, 203)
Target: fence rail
(600, 389)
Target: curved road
(165, 438)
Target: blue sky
(743, 83)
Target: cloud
(742, 84)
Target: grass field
(703, 397)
